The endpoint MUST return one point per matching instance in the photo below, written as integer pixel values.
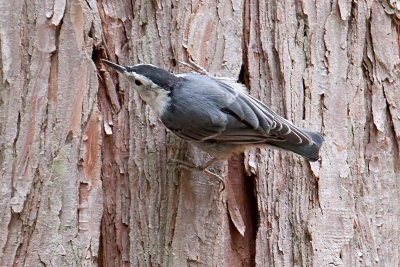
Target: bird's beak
(117, 67)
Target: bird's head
(153, 83)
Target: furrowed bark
(84, 172)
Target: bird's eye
(138, 83)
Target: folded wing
(226, 113)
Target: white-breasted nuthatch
(216, 115)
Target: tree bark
(84, 172)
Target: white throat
(152, 94)
(157, 100)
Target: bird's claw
(192, 167)
(186, 165)
(195, 67)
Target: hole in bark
(100, 255)
(69, 137)
(244, 194)
(244, 75)
(304, 99)
(95, 55)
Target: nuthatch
(216, 115)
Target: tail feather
(311, 152)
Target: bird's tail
(311, 152)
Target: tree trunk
(84, 172)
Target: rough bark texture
(84, 173)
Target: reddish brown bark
(84, 173)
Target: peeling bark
(84, 173)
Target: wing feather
(272, 125)
(225, 112)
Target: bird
(217, 115)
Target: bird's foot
(186, 165)
(196, 67)
(202, 168)
(199, 69)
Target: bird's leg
(209, 163)
(202, 168)
(192, 166)
(183, 164)
(199, 69)
(196, 67)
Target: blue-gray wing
(206, 109)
